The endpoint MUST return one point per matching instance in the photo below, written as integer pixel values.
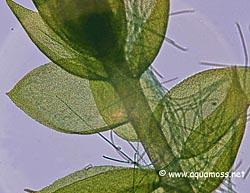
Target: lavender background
(33, 156)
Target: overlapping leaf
(111, 107)
(60, 101)
(95, 27)
(50, 31)
(204, 119)
(70, 104)
(214, 127)
(90, 37)
(50, 88)
(52, 45)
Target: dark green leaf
(88, 38)
(57, 49)
(95, 27)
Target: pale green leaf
(69, 104)
(218, 160)
(214, 127)
(77, 176)
(146, 28)
(203, 119)
(59, 100)
(105, 179)
(152, 88)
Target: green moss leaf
(96, 27)
(59, 50)
(91, 37)
(203, 120)
(105, 179)
(146, 30)
(70, 104)
(217, 161)
(59, 100)
(214, 127)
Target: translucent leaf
(59, 100)
(108, 101)
(57, 49)
(67, 103)
(218, 160)
(105, 179)
(189, 103)
(152, 88)
(132, 30)
(203, 119)
(91, 38)
(146, 28)
(112, 109)
(214, 127)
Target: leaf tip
(30, 191)
(9, 94)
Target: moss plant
(100, 79)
